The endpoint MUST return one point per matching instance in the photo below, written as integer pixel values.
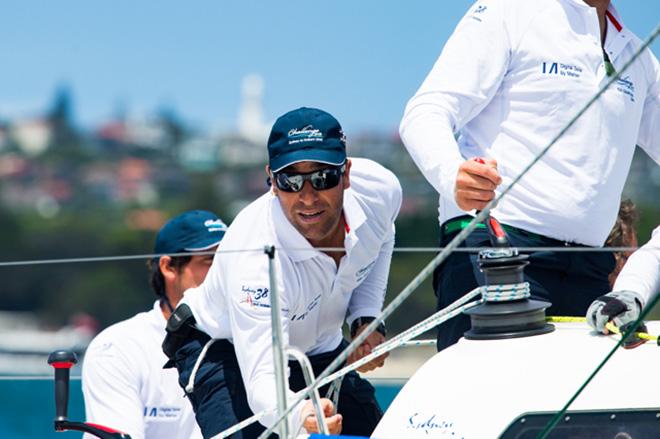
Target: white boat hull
(475, 389)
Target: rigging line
(440, 257)
(321, 249)
(553, 422)
(118, 258)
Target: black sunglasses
(320, 180)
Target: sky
(358, 59)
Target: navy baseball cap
(194, 230)
(306, 134)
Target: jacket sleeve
(367, 299)
(249, 303)
(641, 273)
(649, 130)
(463, 80)
(110, 388)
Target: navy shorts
(570, 281)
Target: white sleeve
(463, 80)
(367, 299)
(649, 130)
(110, 388)
(641, 273)
(205, 301)
(249, 299)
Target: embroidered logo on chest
(626, 86)
(561, 69)
(310, 306)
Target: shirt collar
(618, 35)
(295, 244)
(354, 216)
(159, 320)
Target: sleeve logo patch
(477, 11)
(255, 296)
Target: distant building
(251, 125)
(32, 136)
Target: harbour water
(27, 408)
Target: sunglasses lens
(324, 179)
(289, 183)
(320, 180)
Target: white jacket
(511, 76)
(126, 387)
(315, 295)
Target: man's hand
(367, 346)
(311, 423)
(619, 307)
(476, 183)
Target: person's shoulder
(376, 186)
(484, 10)
(647, 58)
(252, 219)
(125, 335)
(370, 175)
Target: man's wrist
(360, 321)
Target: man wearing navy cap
(331, 221)
(124, 383)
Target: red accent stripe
(62, 365)
(104, 428)
(616, 24)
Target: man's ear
(166, 268)
(273, 186)
(347, 177)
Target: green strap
(609, 67)
(458, 224)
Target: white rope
(505, 293)
(191, 381)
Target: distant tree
(66, 142)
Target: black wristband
(364, 321)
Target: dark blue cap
(192, 231)
(306, 134)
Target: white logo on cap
(215, 225)
(305, 134)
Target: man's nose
(307, 195)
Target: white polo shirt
(125, 386)
(641, 273)
(511, 76)
(316, 296)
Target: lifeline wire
(321, 249)
(426, 271)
